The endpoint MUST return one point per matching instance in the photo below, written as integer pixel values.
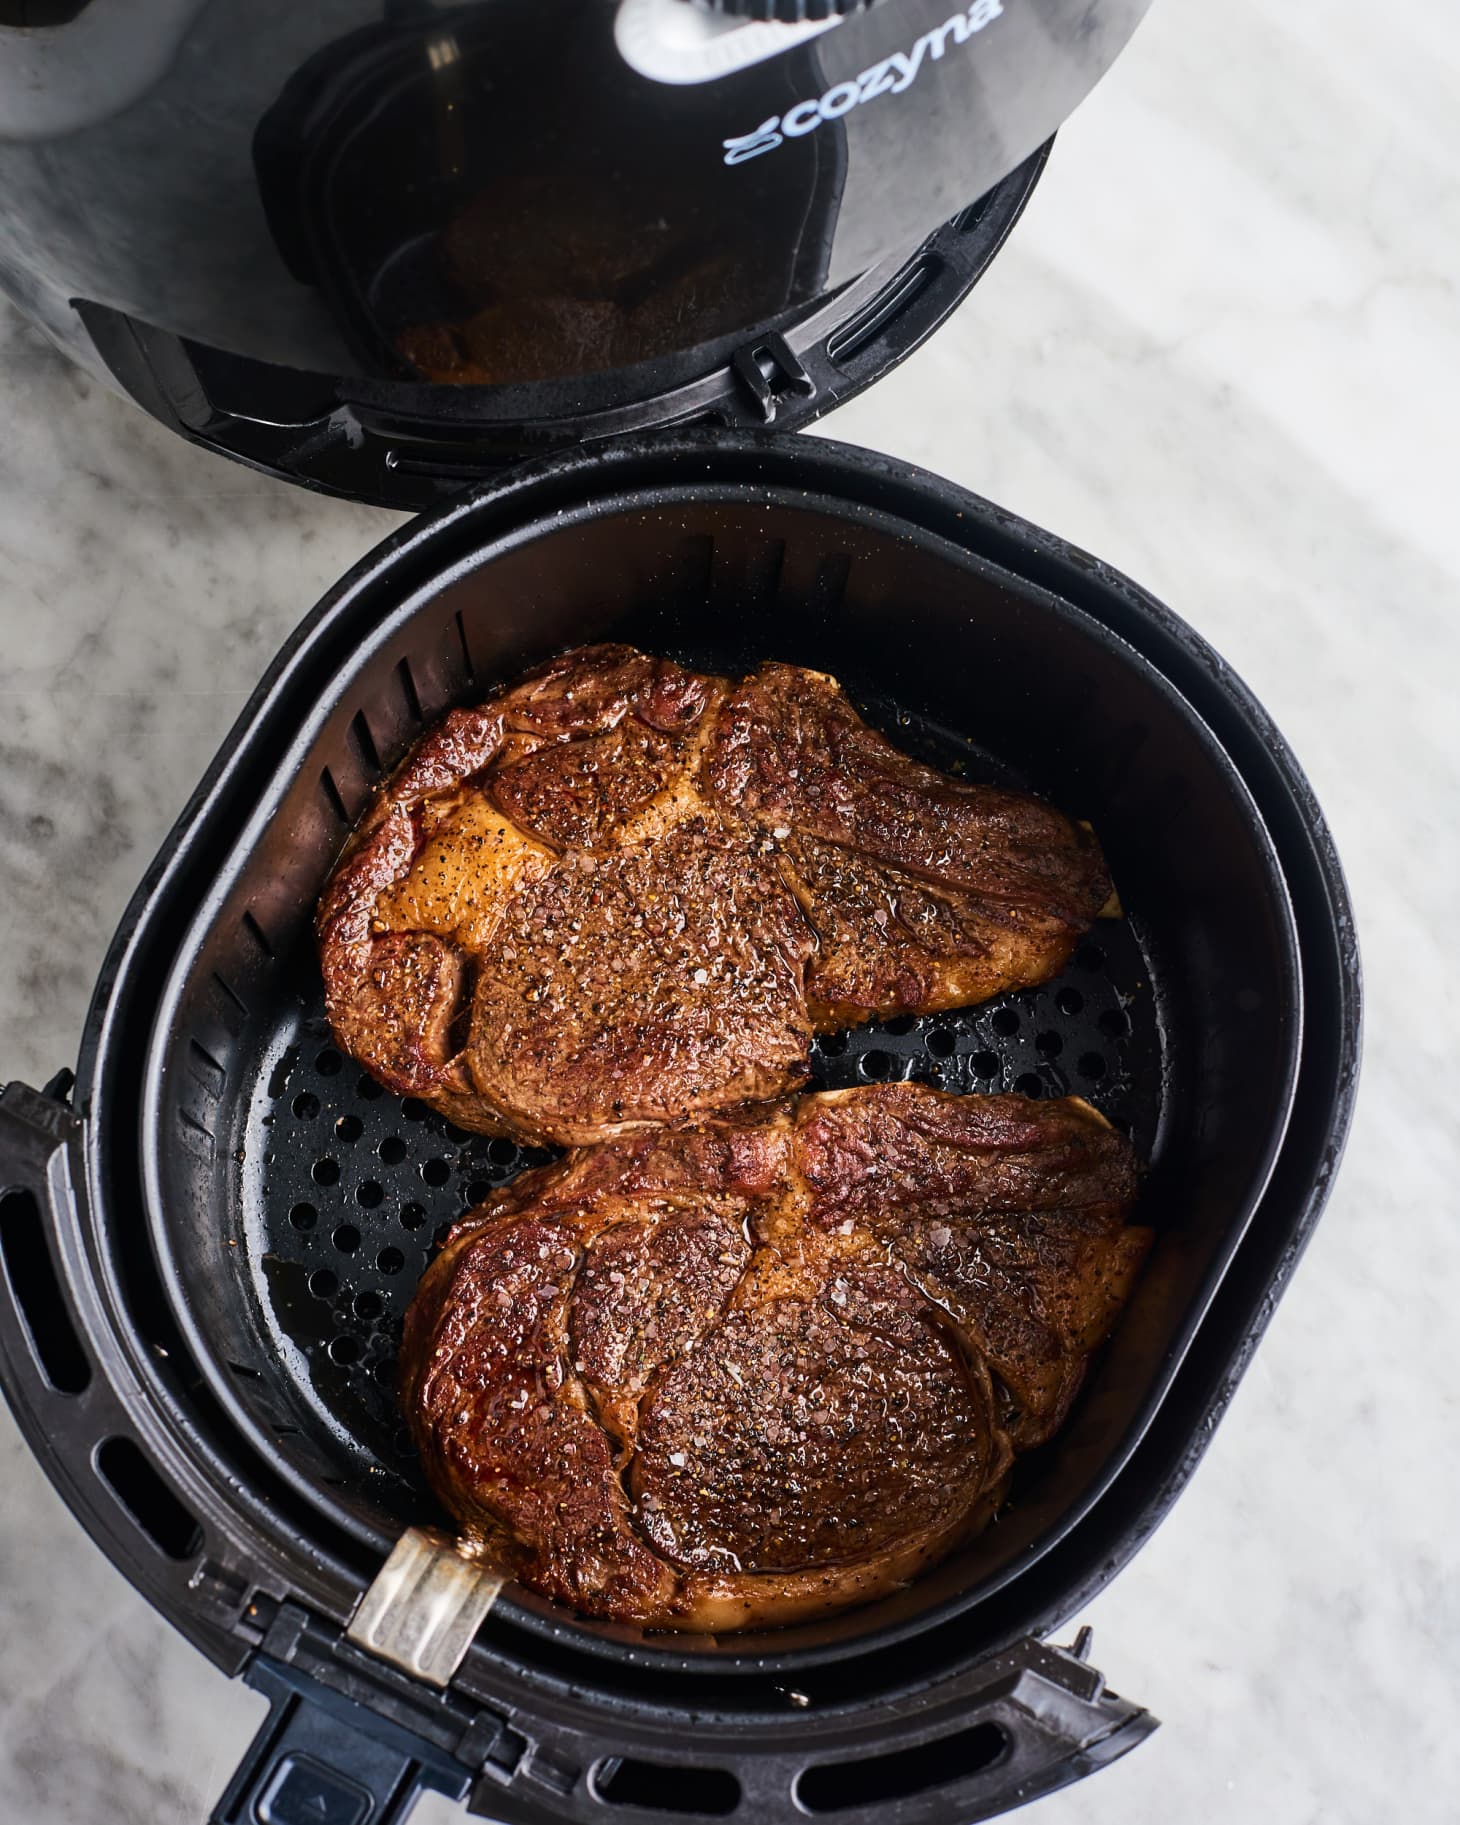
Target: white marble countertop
(1223, 351)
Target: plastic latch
(770, 371)
(322, 1759)
(425, 1605)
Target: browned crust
(993, 1227)
(816, 878)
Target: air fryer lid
(499, 195)
(383, 256)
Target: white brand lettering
(892, 77)
(878, 80)
(764, 139)
(838, 101)
(805, 117)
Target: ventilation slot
(332, 795)
(37, 1292)
(840, 1786)
(694, 563)
(365, 743)
(763, 573)
(831, 582)
(709, 1792)
(207, 1071)
(408, 689)
(466, 657)
(256, 932)
(148, 1500)
(233, 998)
(879, 313)
(189, 1120)
(969, 219)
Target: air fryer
(209, 1234)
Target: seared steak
(623, 893)
(767, 1367)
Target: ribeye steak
(623, 893)
(766, 1367)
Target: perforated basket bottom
(356, 1189)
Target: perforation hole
(479, 1191)
(304, 1216)
(985, 1064)
(368, 1090)
(323, 1284)
(412, 1216)
(1005, 1022)
(305, 1106)
(903, 1024)
(346, 1238)
(368, 1305)
(370, 1195)
(1115, 1023)
(326, 1172)
(390, 1261)
(384, 1371)
(1048, 1045)
(1069, 1002)
(435, 1172)
(1090, 957)
(1028, 1084)
(392, 1150)
(349, 1128)
(414, 1110)
(942, 1043)
(876, 1065)
(832, 1045)
(1091, 1065)
(502, 1152)
(344, 1349)
(329, 1062)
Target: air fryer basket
(290, 1212)
(291, 1204)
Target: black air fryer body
(212, 1405)
(389, 256)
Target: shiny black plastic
(495, 225)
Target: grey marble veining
(1222, 350)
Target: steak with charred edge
(624, 893)
(774, 1365)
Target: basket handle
(319, 1758)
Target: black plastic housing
(257, 1537)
